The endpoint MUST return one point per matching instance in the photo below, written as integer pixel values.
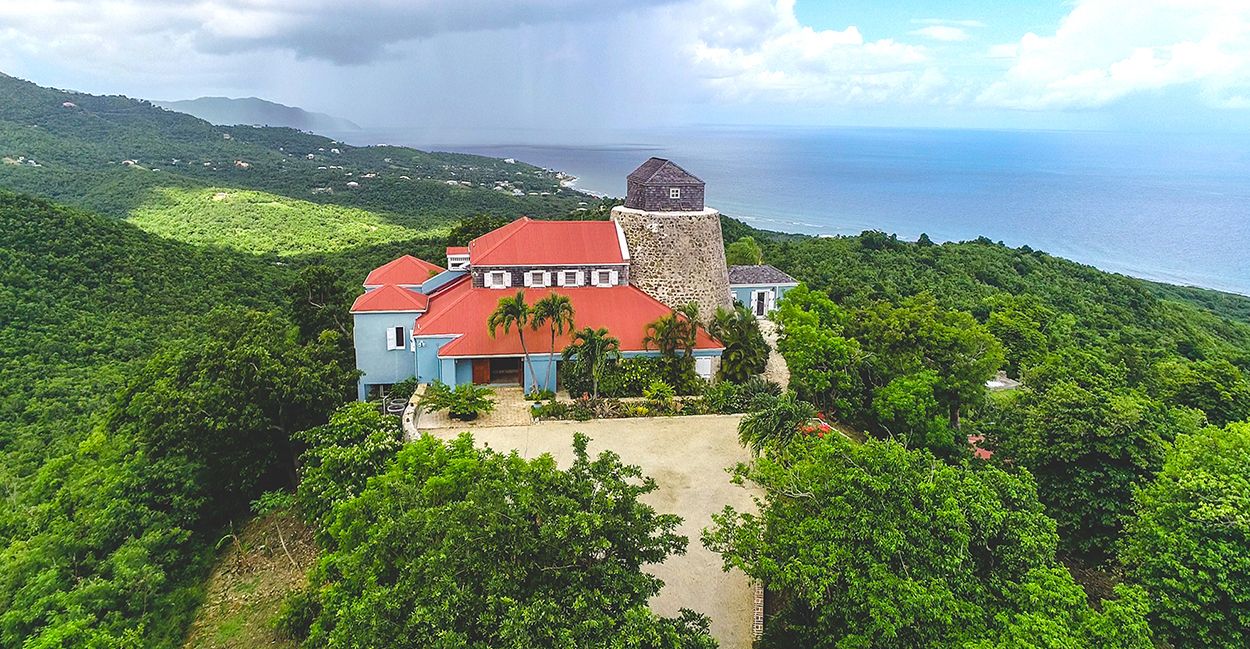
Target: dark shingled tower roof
(658, 171)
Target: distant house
(759, 287)
(416, 319)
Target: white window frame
(612, 274)
(395, 339)
(537, 278)
(497, 279)
(674, 193)
(562, 277)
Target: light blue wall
(380, 365)
(428, 364)
(742, 293)
(540, 363)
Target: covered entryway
(497, 371)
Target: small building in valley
(759, 287)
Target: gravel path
(776, 370)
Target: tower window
(674, 192)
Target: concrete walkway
(687, 456)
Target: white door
(761, 302)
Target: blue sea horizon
(1173, 208)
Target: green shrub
(659, 391)
(551, 410)
(464, 402)
(296, 614)
(725, 397)
(540, 395)
(404, 389)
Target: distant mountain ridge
(228, 111)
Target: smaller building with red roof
(416, 319)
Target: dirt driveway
(687, 456)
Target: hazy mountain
(227, 111)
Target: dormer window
(537, 278)
(674, 192)
(570, 278)
(497, 279)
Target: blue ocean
(1173, 208)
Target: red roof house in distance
(435, 329)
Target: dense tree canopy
(875, 545)
(461, 546)
(1189, 545)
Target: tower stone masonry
(677, 253)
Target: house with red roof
(416, 319)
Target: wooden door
(481, 371)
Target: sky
(595, 65)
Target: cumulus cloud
(1105, 50)
(331, 30)
(750, 50)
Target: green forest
(172, 362)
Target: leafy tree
(1190, 542)
(510, 312)
(1089, 444)
(556, 311)
(589, 356)
(462, 546)
(746, 351)
(320, 300)
(775, 425)
(1216, 387)
(744, 252)
(216, 417)
(341, 456)
(824, 366)
(908, 409)
(472, 227)
(874, 545)
(918, 335)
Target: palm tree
(513, 311)
(776, 425)
(746, 351)
(671, 334)
(590, 353)
(557, 310)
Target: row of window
(545, 278)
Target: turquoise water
(1173, 208)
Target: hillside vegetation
(108, 153)
(263, 223)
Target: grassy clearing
(263, 223)
(252, 576)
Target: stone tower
(676, 251)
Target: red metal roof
(405, 271)
(457, 250)
(391, 298)
(567, 243)
(463, 310)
